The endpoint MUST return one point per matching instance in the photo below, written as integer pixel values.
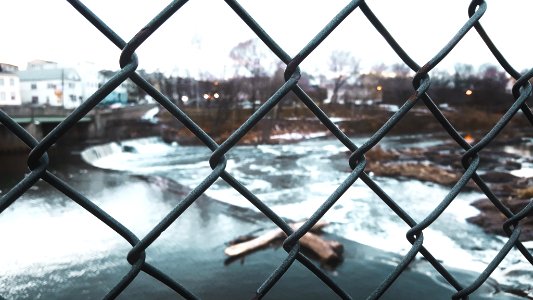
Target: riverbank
(299, 123)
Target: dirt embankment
(299, 123)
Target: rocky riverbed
(442, 164)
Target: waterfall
(94, 154)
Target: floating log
(326, 250)
(253, 244)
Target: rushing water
(292, 179)
(295, 179)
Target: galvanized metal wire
(38, 160)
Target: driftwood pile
(327, 251)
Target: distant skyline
(199, 37)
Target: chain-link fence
(38, 160)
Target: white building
(90, 78)
(46, 83)
(9, 85)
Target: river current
(293, 179)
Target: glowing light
(184, 98)
(379, 88)
(468, 92)
(216, 95)
(206, 96)
(469, 138)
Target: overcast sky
(199, 37)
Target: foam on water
(269, 171)
(524, 172)
(69, 233)
(122, 156)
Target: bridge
(99, 125)
(40, 114)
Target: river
(50, 240)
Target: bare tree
(441, 79)
(343, 66)
(379, 69)
(247, 55)
(464, 76)
(400, 70)
(492, 77)
(250, 58)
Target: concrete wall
(9, 142)
(105, 125)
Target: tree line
(256, 78)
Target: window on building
(72, 98)
(34, 86)
(12, 81)
(71, 85)
(2, 96)
(1, 81)
(34, 99)
(13, 96)
(51, 86)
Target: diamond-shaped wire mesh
(38, 159)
